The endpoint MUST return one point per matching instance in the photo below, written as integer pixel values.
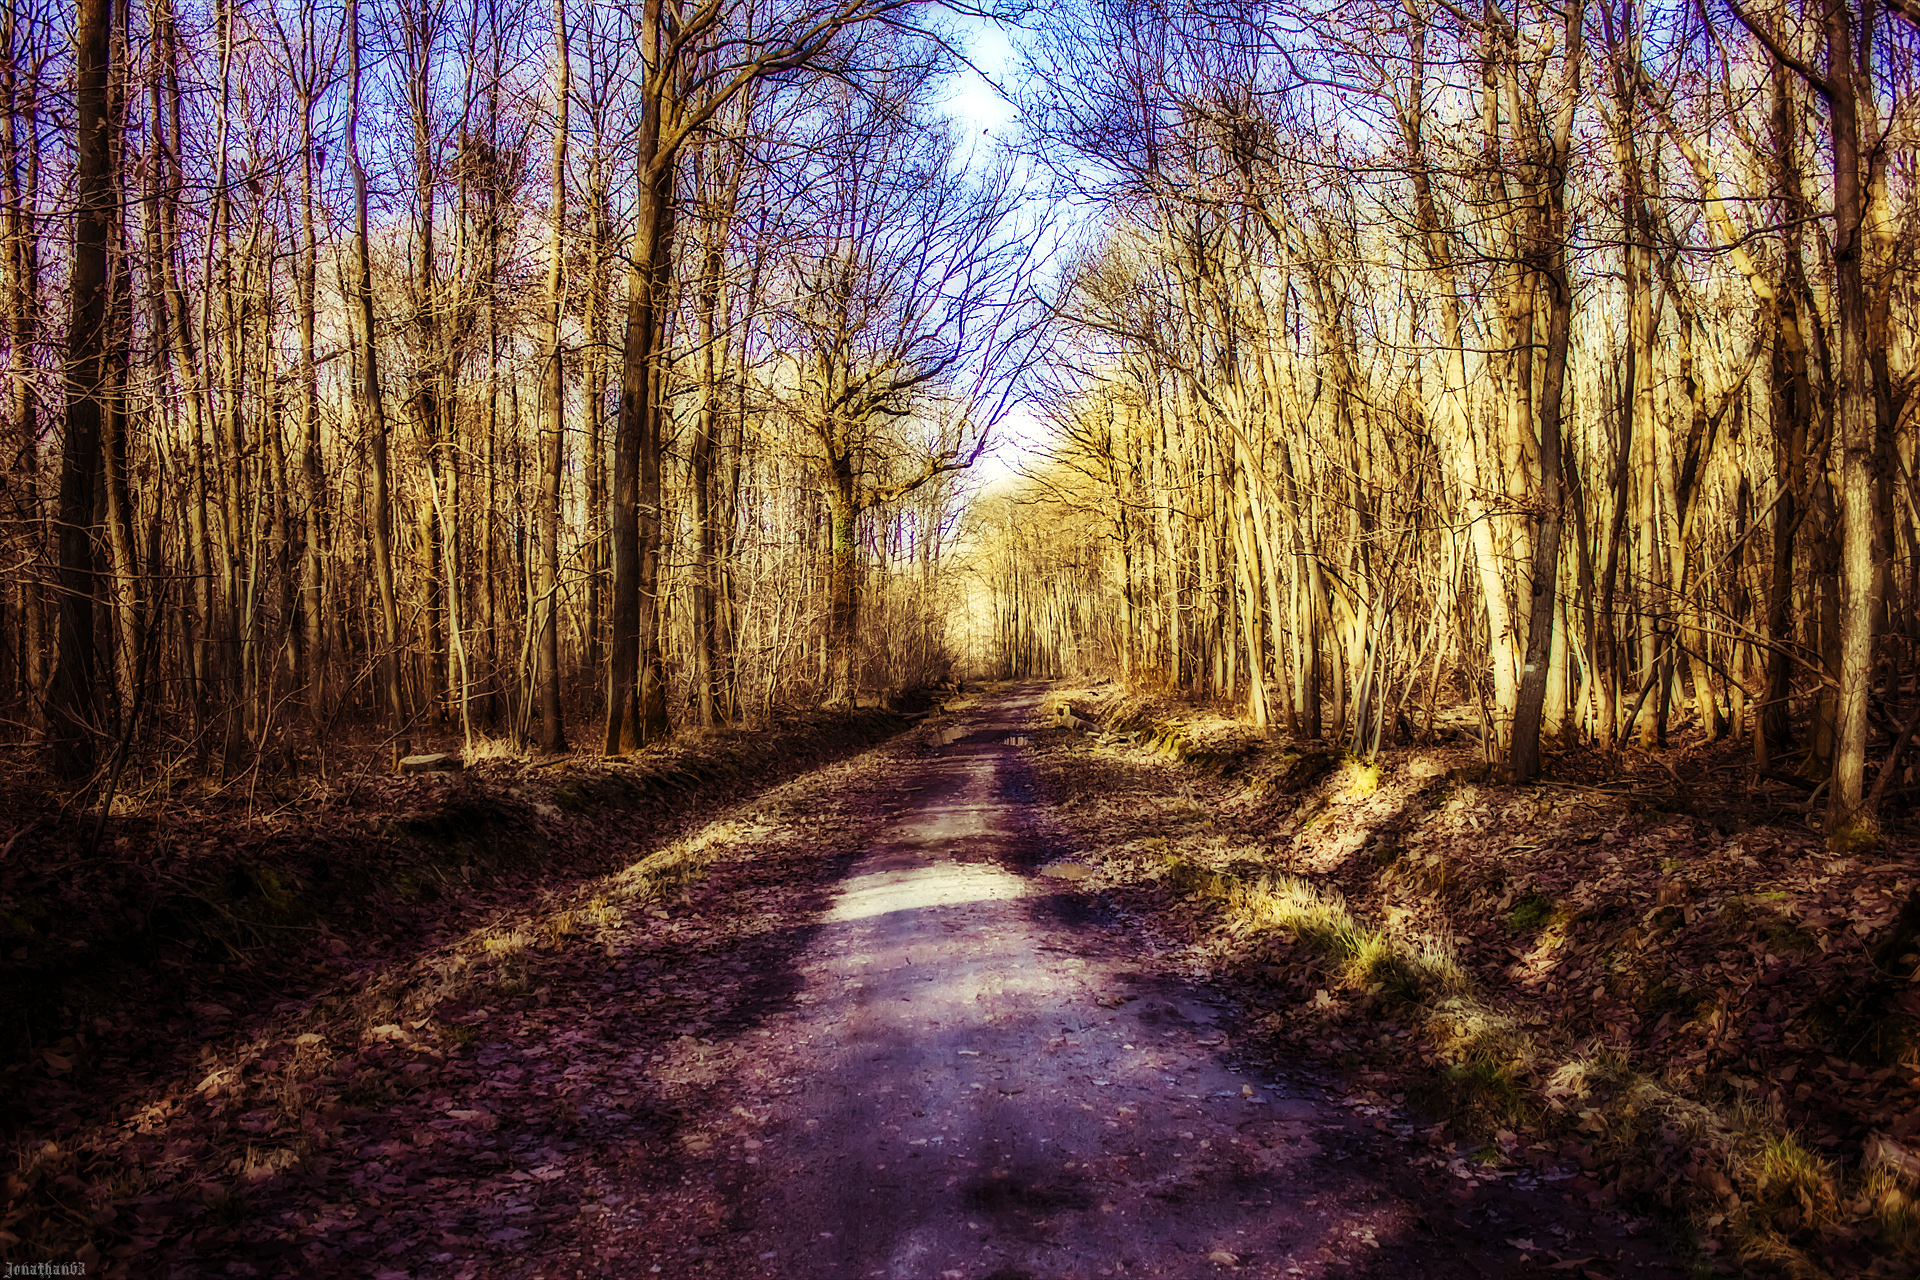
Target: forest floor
(1649, 966)
(1012, 995)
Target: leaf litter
(1676, 992)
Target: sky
(971, 100)
(988, 118)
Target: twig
(14, 839)
(1893, 759)
(1813, 800)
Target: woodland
(476, 477)
(557, 377)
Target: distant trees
(1427, 353)
(902, 305)
(317, 413)
(695, 59)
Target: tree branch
(1819, 83)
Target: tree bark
(1854, 415)
(552, 735)
(75, 719)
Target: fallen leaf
(1715, 1181)
(1524, 1245)
(55, 1062)
(1222, 1257)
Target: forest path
(967, 1073)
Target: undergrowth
(190, 894)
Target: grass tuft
(1793, 1185)
(1893, 1208)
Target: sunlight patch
(880, 892)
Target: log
(444, 762)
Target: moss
(1793, 1192)
(1185, 877)
(1854, 837)
(1378, 962)
(274, 887)
(1531, 913)
(1477, 1092)
(1895, 1212)
(1787, 936)
(1362, 779)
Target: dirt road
(965, 1067)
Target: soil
(888, 1032)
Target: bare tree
(903, 304)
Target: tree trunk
(75, 721)
(636, 684)
(1523, 761)
(843, 592)
(1854, 421)
(552, 735)
(19, 189)
(315, 664)
(371, 412)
